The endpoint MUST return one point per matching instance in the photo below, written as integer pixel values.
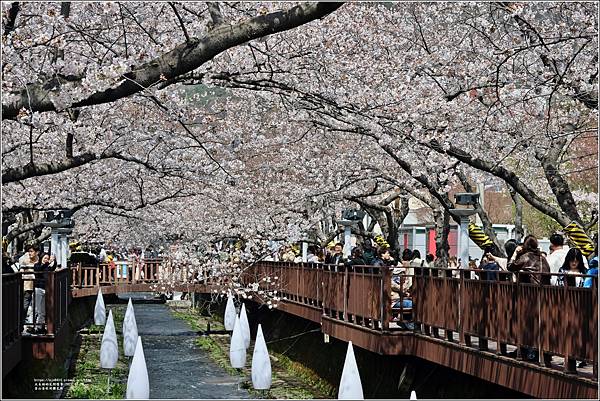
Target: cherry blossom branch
(215, 13)
(12, 17)
(180, 60)
(30, 170)
(181, 23)
(508, 176)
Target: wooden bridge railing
(552, 320)
(358, 295)
(122, 272)
(56, 300)
(12, 309)
(510, 311)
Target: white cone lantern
(99, 310)
(130, 331)
(413, 395)
(245, 326)
(229, 318)
(350, 384)
(128, 312)
(237, 350)
(261, 364)
(138, 385)
(109, 349)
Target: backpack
(491, 274)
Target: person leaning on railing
(26, 263)
(573, 269)
(592, 271)
(6, 264)
(529, 259)
(47, 264)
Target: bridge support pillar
(570, 365)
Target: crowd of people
(563, 266)
(35, 266)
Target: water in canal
(177, 368)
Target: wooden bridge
(488, 329)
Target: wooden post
(519, 317)
(50, 302)
(386, 297)
(461, 329)
(344, 315)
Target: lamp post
(304, 251)
(465, 199)
(308, 236)
(61, 225)
(350, 218)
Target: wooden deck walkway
(527, 337)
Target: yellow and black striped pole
(381, 242)
(581, 240)
(479, 237)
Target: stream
(177, 367)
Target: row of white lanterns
(350, 384)
(138, 385)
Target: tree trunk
(518, 214)
(497, 249)
(442, 230)
(558, 184)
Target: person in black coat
(41, 269)
(356, 258)
(384, 258)
(336, 257)
(6, 264)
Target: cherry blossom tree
(248, 120)
(94, 116)
(505, 89)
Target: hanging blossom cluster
(224, 269)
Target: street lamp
(61, 225)
(308, 236)
(465, 199)
(350, 218)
